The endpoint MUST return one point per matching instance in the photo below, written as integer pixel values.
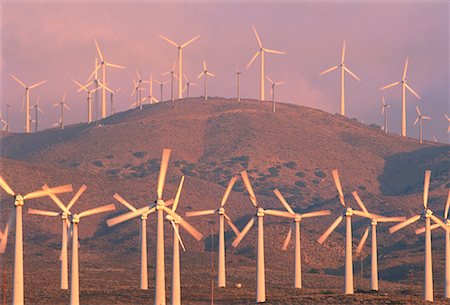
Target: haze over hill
(294, 149)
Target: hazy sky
(54, 41)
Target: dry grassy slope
(294, 149)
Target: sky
(54, 41)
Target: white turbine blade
(287, 240)
(352, 74)
(106, 87)
(426, 117)
(127, 216)
(67, 107)
(18, 80)
(98, 50)
(190, 41)
(328, 70)
(228, 191)
(317, 213)
(168, 40)
(42, 212)
(210, 74)
(415, 122)
(275, 51)
(177, 196)
(111, 65)
(200, 213)
(233, 227)
(204, 66)
(163, 172)
(6, 187)
(390, 219)
(343, 52)
(422, 230)
(360, 203)
(177, 233)
(404, 224)
(438, 221)
(40, 110)
(244, 232)
(124, 202)
(41, 193)
(362, 214)
(102, 209)
(9, 224)
(447, 205)
(76, 196)
(412, 91)
(37, 84)
(390, 85)
(200, 75)
(279, 213)
(94, 72)
(330, 230)
(280, 83)
(257, 36)
(418, 110)
(283, 201)
(426, 187)
(405, 69)
(362, 241)
(249, 188)
(269, 79)
(190, 229)
(337, 182)
(55, 199)
(253, 59)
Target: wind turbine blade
(4, 239)
(279, 213)
(177, 196)
(415, 122)
(6, 187)
(42, 212)
(177, 233)
(362, 241)
(426, 117)
(98, 50)
(438, 221)
(244, 232)
(275, 51)
(337, 182)
(190, 229)
(390, 219)
(200, 213)
(426, 187)
(362, 214)
(163, 171)
(330, 230)
(249, 188)
(228, 191)
(447, 205)
(36, 194)
(127, 216)
(412, 91)
(210, 74)
(269, 79)
(283, 201)
(67, 188)
(124, 202)
(190, 41)
(111, 65)
(352, 74)
(328, 70)
(257, 36)
(55, 199)
(390, 85)
(168, 40)
(77, 196)
(422, 230)
(38, 84)
(102, 209)
(405, 69)
(418, 110)
(287, 240)
(204, 65)
(253, 59)
(404, 224)
(317, 213)
(233, 227)
(343, 52)
(360, 203)
(200, 75)
(18, 80)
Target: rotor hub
(144, 216)
(18, 200)
(298, 218)
(64, 216)
(159, 203)
(75, 218)
(427, 213)
(447, 222)
(348, 212)
(221, 211)
(260, 212)
(374, 222)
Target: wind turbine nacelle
(18, 200)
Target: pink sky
(54, 41)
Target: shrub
(362, 187)
(139, 154)
(290, 165)
(300, 174)
(274, 172)
(320, 174)
(98, 163)
(316, 181)
(300, 184)
(109, 156)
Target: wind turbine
(161, 87)
(89, 96)
(384, 111)
(63, 105)
(112, 93)
(187, 86)
(74, 272)
(205, 74)
(272, 90)
(172, 75)
(344, 69)
(238, 86)
(150, 96)
(27, 100)
(19, 201)
(65, 213)
(420, 118)
(426, 214)
(446, 116)
(180, 60)
(221, 277)
(259, 216)
(297, 218)
(8, 117)
(374, 220)
(5, 123)
(404, 87)
(103, 65)
(347, 212)
(138, 89)
(36, 110)
(262, 51)
(160, 206)
(446, 221)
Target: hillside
(294, 149)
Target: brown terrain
(294, 150)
